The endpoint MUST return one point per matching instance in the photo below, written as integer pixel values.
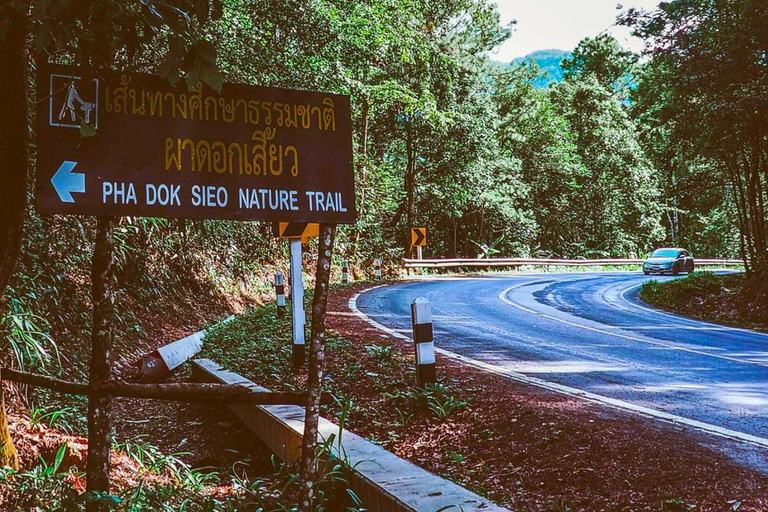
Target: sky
(561, 24)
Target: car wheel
(693, 265)
(646, 272)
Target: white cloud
(561, 24)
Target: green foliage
(26, 333)
(255, 339)
(40, 416)
(698, 205)
(150, 459)
(164, 36)
(438, 399)
(617, 194)
(591, 188)
(384, 355)
(677, 504)
(604, 59)
(44, 487)
(721, 298)
(166, 482)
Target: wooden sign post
(99, 404)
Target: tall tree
(711, 63)
(105, 34)
(699, 211)
(618, 197)
(605, 59)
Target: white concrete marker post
(297, 304)
(280, 293)
(169, 357)
(418, 252)
(421, 320)
(377, 267)
(345, 271)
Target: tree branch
(180, 392)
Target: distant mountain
(548, 62)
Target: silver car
(669, 260)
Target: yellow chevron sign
(418, 237)
(303, 230)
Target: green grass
(717, 298)
(255, 342)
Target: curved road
(590, 331)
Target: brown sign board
(247, 153)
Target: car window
(664, 253)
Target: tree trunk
(99, 424)
(13, 173)
(410, 183)
(742, 205)
(308, 471)
(13, 143)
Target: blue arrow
(65, 181)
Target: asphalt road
(590, 331)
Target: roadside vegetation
(370, 383)
(147, 479)
(718, 298)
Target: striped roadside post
(280, 293)
(297, 306)
(377, 267)
(421, 320)
(345, 271)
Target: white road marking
(665, 327)
(570, 391)
(503, 297)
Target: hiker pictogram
(69, 105)
(73, 102)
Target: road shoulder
(529, 448)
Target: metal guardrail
(516, 262)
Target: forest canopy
(601, 163)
